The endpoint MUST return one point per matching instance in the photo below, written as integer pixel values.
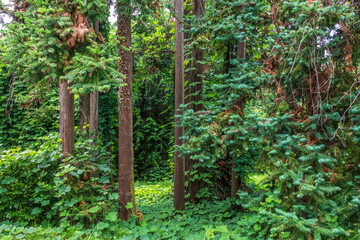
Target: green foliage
(84, 185)
(38, 186)
(285, 119)
(26, 115)
(151, 194)
(283, 111)
(27, 181)
(91, 71)
(153, 96)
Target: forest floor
(156, 219)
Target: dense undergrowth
(283, 118)
(156, 219)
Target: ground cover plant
(173, 119)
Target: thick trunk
(66, 119)
(126, 171)
(84, 108)
(179, 164)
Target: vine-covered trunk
(94, 104)
(179, 164)
(126, 167)
(84, 107)
(194, 96)
(235, 181)
(66, 118)
(94, 113)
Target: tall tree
(179, 165)
(94, 102)
(235, 181)
(126, 166)
(193, 94)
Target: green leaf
(112, 216)
(129, 205)
(102, 225)
(8, 180)
(285, 234)
(35, 211)
(94, 209)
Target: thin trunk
(94, 114)
(94, 104)
(126, 167)
(84, 117)
(66, 119)
(235, 181)
(179, 164)
(108, 149)
(187, 78)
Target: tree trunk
(235, 181)
(126, 169)
(94, 114)
(179, 164)
(194, 96)
(84, 108)
(66, 119)
(94, 104)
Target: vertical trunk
(194, 95)
(187, 91)
(94, 113)
(126, 171)
(241, 50)
(235, 181)
(84, 117)
(179, 165)
(108, 150)
(66, 119)
(94, 104)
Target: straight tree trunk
(194, 96)
(84, 117)
(235, 181)
(126, 167)
(94, 114)
(179, 164)
(94, 104)
(67, 122)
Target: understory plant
(40, 186)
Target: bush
(40, 186)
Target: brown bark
(241, 50)
(66, 119)
(84, 108)
(235, 181)
(179, 164)
(126, 169)
(193, 96)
